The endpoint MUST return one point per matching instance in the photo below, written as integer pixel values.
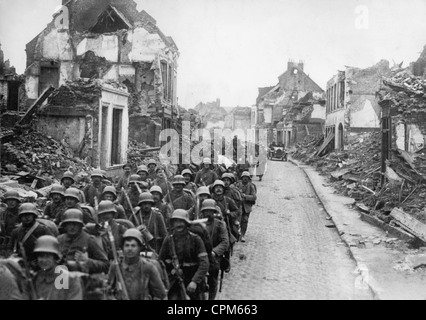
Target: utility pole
(386, 136)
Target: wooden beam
(27, 117)
(411, 224)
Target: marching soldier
(95, 189)
(132, 194)
(187, 174)
(57, 203)
(220, 241)
(249, 194)
(231, 191)
(9, 218)
(123, 183)
(162, 180)
(144, 174)
(68, 181)
(179, 198)
(79, 249)
(45, 281)
(28, 232)
(152, 169)
(152, 219)
(142, 280)
(206, 177)
(186, 259)
(203, 193)
(110, 194)
(163, 207)
(72, 201)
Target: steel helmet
(72, 215)
(187, 171)
(72, 193)
(127, 165)
(110, 189)
(12, 195)
(203, 190)
(106, 207)
(229, 176)
(181, 215)
(57, 189)
(89, 208)
(133, 234)
(152, 161)
(145, 197)
(160, 168)
(28, 208)
(246, 174)
(134, 178)
(69, 175)
(97, 173)
(179, 180)
(47, 244)
(143, 169)
(207, 161)
(209, 204)
(218, 183)
(156, 189)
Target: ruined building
(292, 109)
(351, 103)
(110, 40)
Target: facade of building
(110, 40)
(351, 102)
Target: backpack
(151, 258)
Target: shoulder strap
(30, 232)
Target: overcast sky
(229, 48)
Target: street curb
(373, 290)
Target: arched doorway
(341, 145)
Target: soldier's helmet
(246, 174)
(187, 171)
(218, 183)
(73, 193)
(134, 178)
(157, 189)
(209, 204)
(146, 197)
(47, 244)
(207, 161)
(68, 175)
(72, 215)
(133, 234)
(180, 214)
(152, 161)
(179, 180)
(229, 176)
(57, 189)
(89, 208)
(110, 189)
(143, 169)
(28, 208)
(203, 191)
(97, 173)
(12, 195)
(106, 207)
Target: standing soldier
(152, 169)
(203, 193)
(57, 204)
(142, 281)
(162, 181)
(28, 232)
(123, 183)
(248, 191)
(206, 177)
(79, 249)
(95, 189)
(72, 201)
(144, 174)
(9, 218)
(231, 191)
(187, 174)
(68, 181)
(220, 242)
(186, 259)
(132, 194)
(45, 281)
(152, 219)
(163, 207)
(110, 194)
(179, 198)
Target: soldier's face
(146, 207)
(152, 167)
(218, 190)
(73, 229)
(160, 174)
(12, 204)
(246, 180)
(46, 261)
(56, 197)
(178, 187)
(143, 175)
(187, 178)
(179, 225)
(209, 214)
(27, 219)
(70, 202)
(227, 182)
(127, 171)
(109, 197)
(96, 180)
(131, 249)
(67, 182)
(156, 196)
(106, 217)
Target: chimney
(290, 64)
(301, 64)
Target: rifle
(139, 188)
(197, 209)
(178, 271)
(126, 196)
(169, 194)
(120, 284)
(222, 275)
(33, 293)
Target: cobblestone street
(290, 252)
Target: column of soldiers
(147, 238)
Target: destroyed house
(351, 106)
(110, 40)
(274, 104)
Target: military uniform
(91, 191)
(9, 221)
(134, 199)
(165, 210)
(234, 193)
(249, 190)
(45, 286)
(98, 260)
(156, 226)
(191, 186)
(182, 200)
(163, 184)
(152, 174)
(52, 209)
(9, 288)
(205, 177)
(142, 279)
(233, 218)
(87, 217)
